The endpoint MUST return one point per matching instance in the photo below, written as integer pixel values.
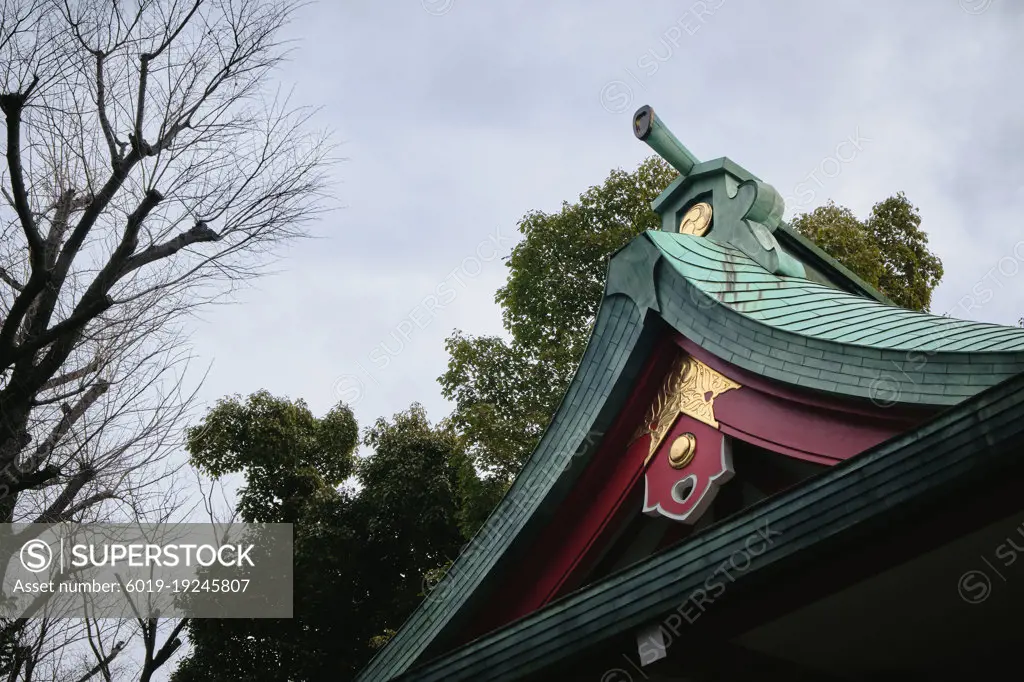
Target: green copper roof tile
(836, 321)
(807, 352)
(965, 358)
(1006, 340)
(788, 355)
(795, 367)
(1001, 367)
(795, 304)
(808, 381)
(969, 330)
(834, 310)
(771, 361)
(977, 380)
(876, 364)
(824, 364)
(943, 388)
(894, 334)
(994, 356)
(969, 369)
(742, 351)
(976, 335)
(810, 341)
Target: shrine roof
(719, 299)
(751, 292)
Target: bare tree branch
(103, 665)
(116, 157)
(13, 283)
(12, 104)
(197, 234)
(73, 375)
(73, 487)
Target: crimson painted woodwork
(624, 479)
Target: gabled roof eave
(921, 467)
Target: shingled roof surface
(818, 311)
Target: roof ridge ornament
(718, 200)
(648, 128)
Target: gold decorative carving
(681, 452)
(690, 388)
(697, 220)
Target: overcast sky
(457, 117)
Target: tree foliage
(410, 499)
(889, 250)
(361, 552)
(286, 454)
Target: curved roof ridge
(793, 304)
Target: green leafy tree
(889, 250)
(506, 390)
(411, 498)
(293, 465)
(360, 551)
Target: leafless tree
(158, 639)
(149, 170)
(55, 647)
(70, 651)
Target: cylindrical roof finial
(649, 128)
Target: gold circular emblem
(681, 452)
(697, 220)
